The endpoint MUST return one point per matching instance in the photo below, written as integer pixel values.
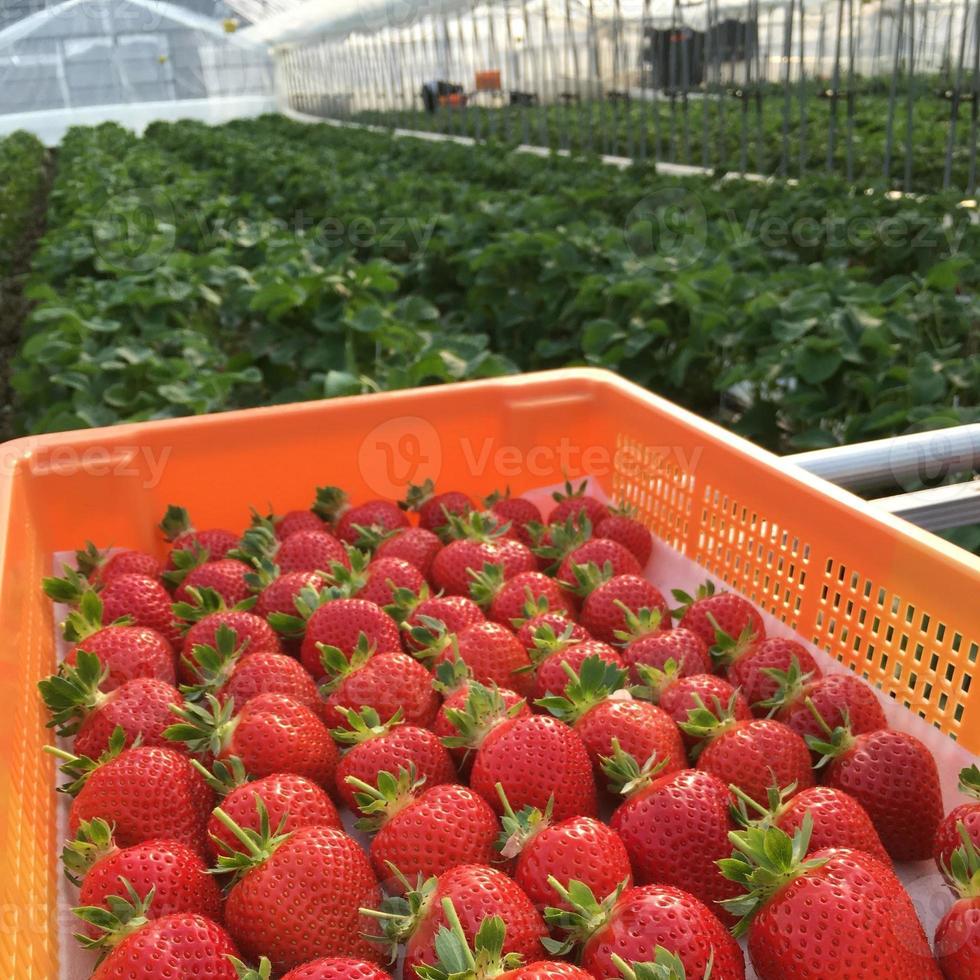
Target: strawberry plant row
(21, 176)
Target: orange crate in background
(893, 602)
(488, 81)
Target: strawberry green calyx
(74, 693)
(400, 915)
(475, 526)
(330, 503)
(389, 797)
(70, 588)
(706, 724)
(545, 641)
(685, 599)
(570, 491)
(765, 861)
(90, 559)
(431, 638)
(639, 623)
(521, 827)
(347, 582)
(790, 686)
(255, 846)
(483, 711)
(92, 842)
(777, 800)
(451, 676)
(585, 916)
(727, 648)
(834, 742)
(370, 537)
(245, 972)
(417, 494)
(664, 966)
(404, 602)
(534, 605)
(79, 767)
(205, 601)
(486, 584)
(963, 872)
(626, 776)
(596, 681)
(555, 541)
(365, 725)
(259, 543)
(124, 915)
(224, 774)
(204, 729)
(86, 618)
(337, 667)
(306, 602)
(969, 782)
(185, 561)
(176, 521)
(214, 665)
(456, 960)
(656, 680)
(589, 577)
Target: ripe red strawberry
(453, 612)
(483, 712)
(310, 551)
(686, 649)
(279, 593)
(454, 566)
(675, 825)
(145, 600)
(551, 674)
(384, 577)
(894, 777)
(100, 567)
(324, 968)
(506, 600)
(290, 801)
(629, 532)
(144, 793)
(748, 754)
(183, 945)
(140, 707)
(608, 556)
(470, 893)
(415, 545)
(544, 848)
(435, 509)
(183, 536)
(386, 682)
(232, 673)
(377, 746)
(519, 511)
(271, 733)
(292, 522)
(873, 922)
(493, 655)
(751, 668)
(422, 831)
(548, 632)
(631, 923)
(708, 611)
(127, 652)
(838, 819)
(298, 896)
(618, 607)
(376, 515)
(533, 757)
(574, 502)
(174, 872)
(948, 833)
(228, 577)
(836, 697)
(958, 933)
(604, 714)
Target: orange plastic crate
(897, 605)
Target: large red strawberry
(271, 733)
(596, 703)
(894, 777)
(948, 833)
(675, 825)
(755, 669)
(296, 896)
(144, 793)
(100, 567)
(708, 611)
(436, 509)
(616, 607)
(573, 502)
(492, 653)
(324, 968)
(872, 928)
(685, 649)
(183, 536)
(386, 682)
(549, 632)
(422, 831)
(433, 615)
(550, 676)
(175, 874)
(375, 515)
(376, 746)
(475, 892)
(838, 819)
(206, 612)
(748, 754)
(385, 578)
(506, 600)
(229, 577)
(958, 933)
(415, 545)
(624, 528)
(608, 556)
(279, 593)
(631, 923)
(533, 757)
(292, 521)
(837, 698)
(290, 801)
(78, 706)
(545, 848)
(310, 551)
(480, 543)
(518, 511)
(182, 945)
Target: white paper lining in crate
(668, 569)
